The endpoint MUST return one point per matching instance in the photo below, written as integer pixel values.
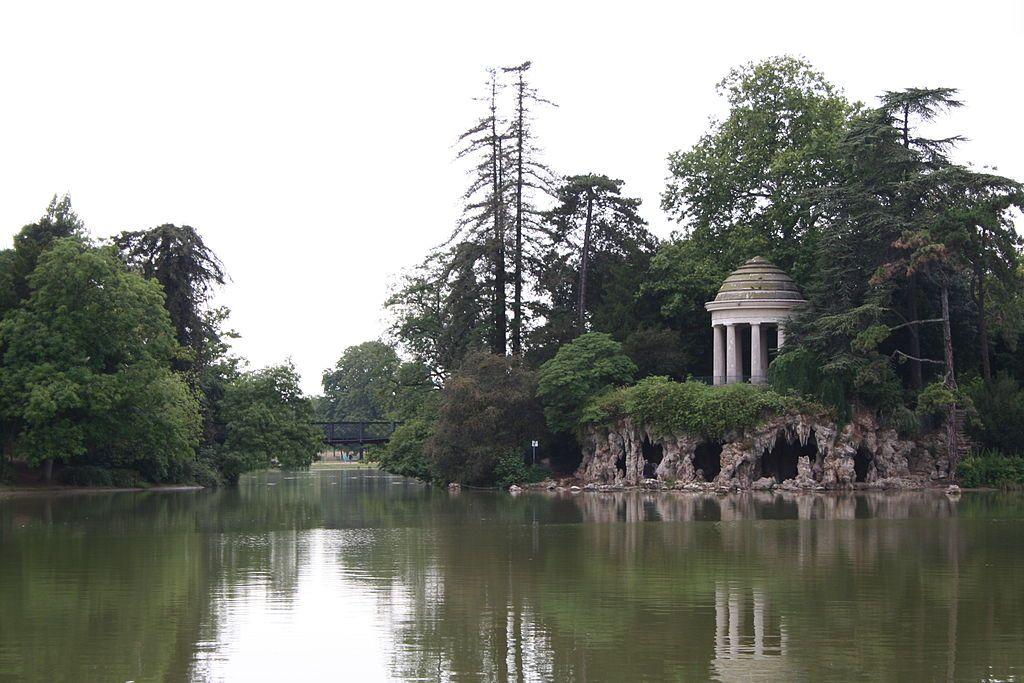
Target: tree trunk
(48, 470)
(952, 447)
(916, 379)
(913, 313)
(500, 341)
(979, 276)
(581, 308)
(517, 303)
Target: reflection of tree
(588, 586)
(862, 583)
(113, 585)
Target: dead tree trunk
(581, 307)
(952, 445)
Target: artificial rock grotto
(794, 452)
(791, 451)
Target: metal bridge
(357, 434)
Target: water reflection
(359, 574)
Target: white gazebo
(759, 296)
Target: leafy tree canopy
(487, 411)
(589, 365)
(363, 385)
(178, 258)
(86, 366)
(268, 422)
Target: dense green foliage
(113, 363)
(589, 365)
(268, 422)
(992, 468)
(692, 407)
(511, 469)
(187, 270)
(86, 367)
(405, 453)
(362, 385)
(487, 411)
(999, 408)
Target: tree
(487, 411)
(59, 220)
(485, 212)
(363, 385)
(588, 366)
(592, 216)
(86, 371)
(438, 310)
(745, 188)
(529, 176)
(178, 258)
(748, 188)
(656, 352)
(903, 220)
(268, 422)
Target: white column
(731, 353)
(764, 351)
(719, 360)
(756, 360)
(782, 335)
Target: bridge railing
(358, 431)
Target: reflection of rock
(750, 639)
(686, 506)
(796, 451)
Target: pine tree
(593, 215)
(530, 177)
(486, 207)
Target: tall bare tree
(530, 177)
(485, 212)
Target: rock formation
(794, 452)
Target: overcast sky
(312, 143)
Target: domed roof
(758, 279)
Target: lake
(355, 575)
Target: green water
(357, 576)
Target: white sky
(312, 143)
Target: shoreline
(709, 488)
(18, 490)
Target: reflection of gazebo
(751, 642)
(757, 296)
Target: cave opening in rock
(620, 463)
(861, 462)
(653, 453)
(779, 463)
(707, 460)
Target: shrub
(1000, 409)
(203, 471)
(934, 401)
(512, 469)
(125, 478)
(404, 454)
(85, 475)
(589, 365)
(487, 409)
(693, 407)
(992, 468)
(798, 370)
